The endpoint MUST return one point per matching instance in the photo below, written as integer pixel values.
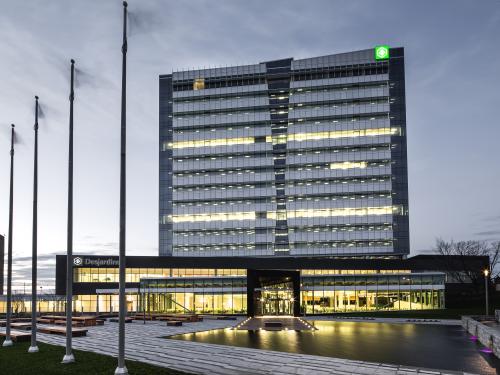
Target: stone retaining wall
(488, 336)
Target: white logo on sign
(382, 52)
(77, 261)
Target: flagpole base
(121, 371)
(33, 349)
(7, 343)
(68, 358)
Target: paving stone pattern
(146, 343)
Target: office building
(288, 157)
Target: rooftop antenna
(121, 369)
(8, 340)
(34, 348)
(69, 357)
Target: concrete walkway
(145, 343)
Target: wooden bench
(76, 332)
(185, 318)
(73, 323)
(182, 317)
(45, 321)
(99, 322)
(18, 336)
(21, 326)
(87, 320)
(54, 317)
(19, 320)
(174, 323)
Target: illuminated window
(299, 137)
(281, 215)
(214, 142)
(358, 211)
(221, 216)
(277, 139)
(349, 165)
(199, 84)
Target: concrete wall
(488, 336)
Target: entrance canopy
(273, 292)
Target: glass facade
(372, 292)
(224, 295)
(288, 157)
(134, 275)
(224, 291)
(319, 294)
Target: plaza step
(275, 323)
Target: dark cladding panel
(165, 162)
(398, 149)
(61, 275)
(416, 263)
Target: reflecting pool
(429, 346)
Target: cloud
(493, 219)
(488, 233)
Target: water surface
(428, 346)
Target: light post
(69, 356)
(34, 348)
(486, 273)
(8, 341)
(121, 369)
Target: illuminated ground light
(473, 338)
(486, 350)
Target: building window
(199, 84)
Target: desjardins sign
(89, 262)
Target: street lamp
(34, 348)
(8, 341)
(486, 273)
(69, 357)
(121, 369)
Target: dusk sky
(452, 55)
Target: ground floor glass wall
(201, 303)
(323, 301)
(322, 292)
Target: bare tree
(494, 254)
(465, 272)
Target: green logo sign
(381, 52)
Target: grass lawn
(17, 360)
(422, 314)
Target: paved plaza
(146, 343)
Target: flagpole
(34, 348)
(69, 357)
(121, 368)
(8, 341)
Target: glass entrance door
(275, 299)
